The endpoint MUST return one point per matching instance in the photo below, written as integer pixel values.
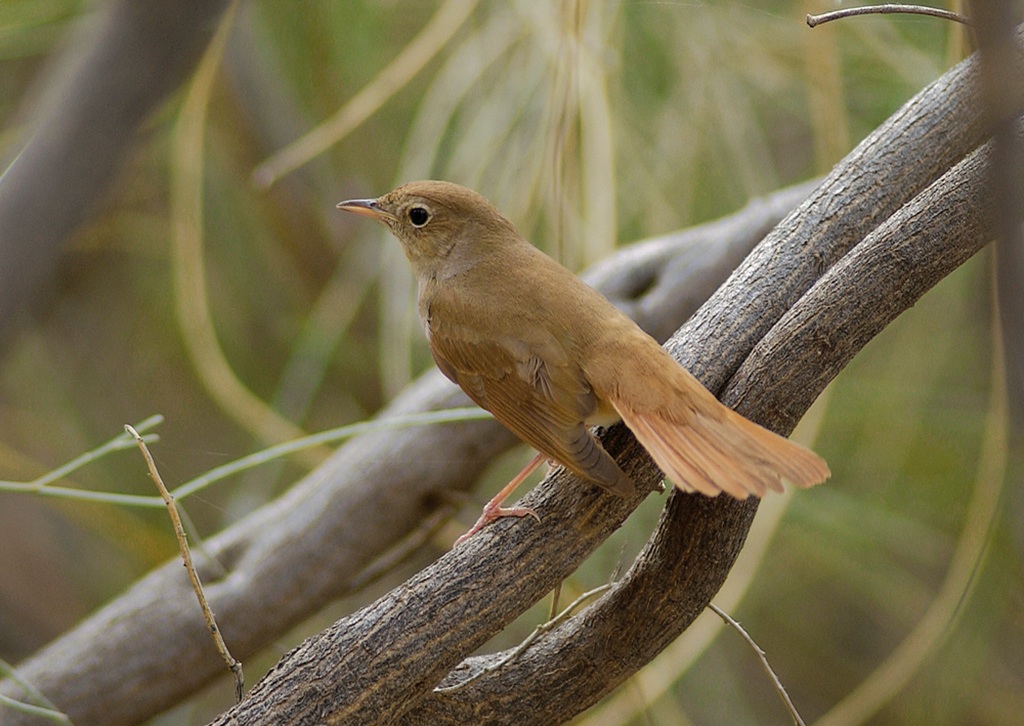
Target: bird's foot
(492, 512)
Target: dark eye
(419, 216)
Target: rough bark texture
(380, 664)
(148, 649)
(698, 539)
(767, 342)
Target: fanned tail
(718, 450)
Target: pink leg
(493, 509)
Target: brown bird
(550, 357)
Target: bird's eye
(419, 216)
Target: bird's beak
(367, 208)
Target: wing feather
(542, 397)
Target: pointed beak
(367, 208)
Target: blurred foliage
(589, 123)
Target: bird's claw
(492, 513)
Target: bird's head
(442, 226)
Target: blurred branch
(89, 109)
(897, 215)
(1002, 84)
(935, 625)
(41, 708)
(143, 652)
(44, 486)
(316, 543)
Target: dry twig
(888, 9)
(779, 688)
(234, 666)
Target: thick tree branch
(661, 282)
(148, 649)
(381, 663)
(697, 539)
(296, 554)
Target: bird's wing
(533, 389)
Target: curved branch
(296, 554)
(148, 649)
(382, 662)
(697, 539)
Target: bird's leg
(493, 509)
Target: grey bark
(756, 343)
(1002, 83)
(148, 649)
(891, 220)
(88, 112)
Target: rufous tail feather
(721, 451)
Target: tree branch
(148, 649)
(698, 538)
(1003, 98)
(381, 663)
(293, 556)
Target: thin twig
(234, 666)
(553, 615)
(886, 9)
(42, 484)
(453, 415)
(764, 662)
(530, 639)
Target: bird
(550, 358)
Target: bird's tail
(714, 449)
